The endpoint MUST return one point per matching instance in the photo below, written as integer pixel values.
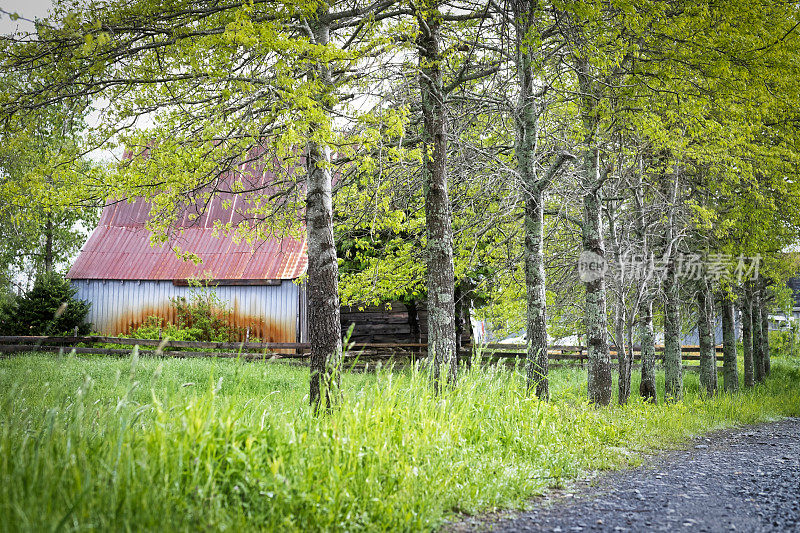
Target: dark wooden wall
(381, 324)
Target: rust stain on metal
(260, 328)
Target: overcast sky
(30, 9)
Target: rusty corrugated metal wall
(274, 313)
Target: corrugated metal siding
(270, 311)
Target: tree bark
(747, 335)
(673, 361)
(599, 378)
(459, 309)
(758, 333)
(647, 384)
(49, 259)
(324, 324)
(647, 387)
(708, 363)
(536, 295)
(527, 134)
(730, 373)
(624, 358)
(438, 217)
(673, 358)
(764, 312)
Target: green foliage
(47, 190)
(203, 312)
(49, 308)
(150, 444)
(784, 343)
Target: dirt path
(740, 480)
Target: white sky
(30, 9)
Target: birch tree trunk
(624, 358)
(49, 256)
(525, 152)
(534, 186)
(764, 314)
(647, 384)
(647, 387)
(599, 379)
(324, 325)
(730, 373)
(438, 216)
(673, 358)
(708, 363)
(673, 363)
(747, 335)
(536, 295)
(758, 333)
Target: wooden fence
(362, 353)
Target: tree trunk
(438, 223)
(324, 325)
(758, 333)
(647, 387)
(527, 118)
(747, 335)
(600, 381)
(708, 363)
(459, 295)
(49, 259)
(764, 312)
(673, 360)
(730, 373)
(536, 299)
(624, 358)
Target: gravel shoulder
(745, 479)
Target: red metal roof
(119, 248)
(125, 253)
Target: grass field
(147, 444)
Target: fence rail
(365, 352)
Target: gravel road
(746, 479)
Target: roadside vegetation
(149, 444)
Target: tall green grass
(97, 443)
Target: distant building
(127, 280)
(779, 320)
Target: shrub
(49, 308)
(780, 343)
(200, 317)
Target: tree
(438, 217)
(48, 308)
(530, 108)
(730, 372)
(43, 160)
(224, 86)
(747, 335)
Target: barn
(127, 280)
